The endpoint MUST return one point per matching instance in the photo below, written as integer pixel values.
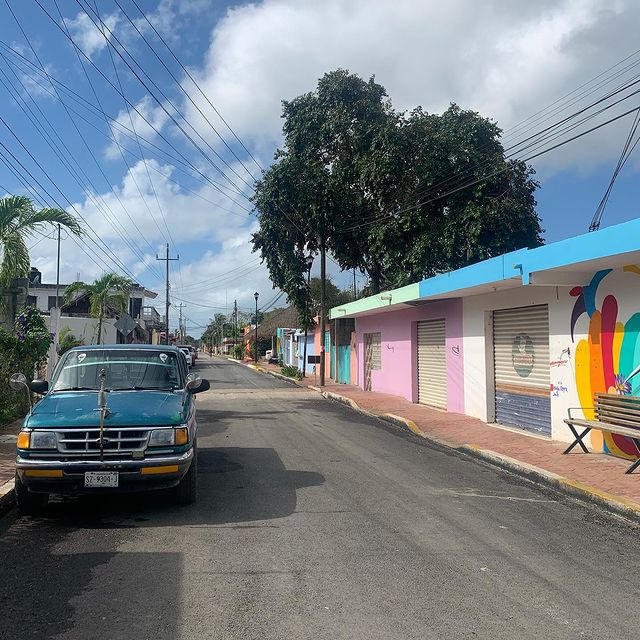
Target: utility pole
(167, 259)
(180, 325)
(355, 290)
(57, 327)
(256, 295)
(235, 325)
(306, 324)
(323, 326)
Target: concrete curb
(572, 488)
(7, 497)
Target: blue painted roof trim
(615, 240)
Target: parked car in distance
(114, 418)
(194, 354)
(191, 350)
(187, 354)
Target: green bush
(67, 340)
(238, 352)
(291, 372)
(24, 350)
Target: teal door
(344, 364)
(333, 362)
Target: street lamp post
(256, 295)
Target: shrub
(238, 352)
(67, 340)
(25, 350)
(291, 372)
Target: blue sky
(507, 60)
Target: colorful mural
(605, 359)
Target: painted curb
(574, 488)
(7, 497)
(536, 475)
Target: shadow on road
(51, 587)
(236, 485)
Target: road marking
(470, 494)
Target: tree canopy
(111, 289)
(397, 195)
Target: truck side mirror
(39, 386)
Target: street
(314, 521)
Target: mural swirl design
(605, 359)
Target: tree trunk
(100, 316)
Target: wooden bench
(614, 414)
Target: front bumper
(130, 476)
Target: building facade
(515, 340)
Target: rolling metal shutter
(432, 363)
(521, 359)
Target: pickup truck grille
(121, 441)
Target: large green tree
(110, 290)
(20, 220)
(398, 196)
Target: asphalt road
(316, 522)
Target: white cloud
(148, 119)
(205, 217)
(506, 60)
(87, 35)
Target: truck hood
(71, 409)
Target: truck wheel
(187, 491)
(30, 504)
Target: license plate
(101, 479)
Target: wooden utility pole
(167, 259)
(323, 325)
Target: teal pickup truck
(114, 418)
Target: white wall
(86, 329)
(573, 381)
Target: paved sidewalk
(598, 477)
(8, 437)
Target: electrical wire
(627, 150)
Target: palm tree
(19, 220)
(109, 290)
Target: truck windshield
(125, 369)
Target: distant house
(128, 327)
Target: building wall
(310, 351)
(594, 336)
(398, 374)
(86, 329)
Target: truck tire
(187, 491)
(29, 504)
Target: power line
(186, 93)
(160, 135)
(110, 42)
(204, 95)
(627, 150)
(88, 148)
(41, 130)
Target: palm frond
(72, 291)
(31, 220)
(14, 257)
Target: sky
(103, 118)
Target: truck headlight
(169, 437)
(162, 438)
(43, 440)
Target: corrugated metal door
(432, 363)
(521, 360)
